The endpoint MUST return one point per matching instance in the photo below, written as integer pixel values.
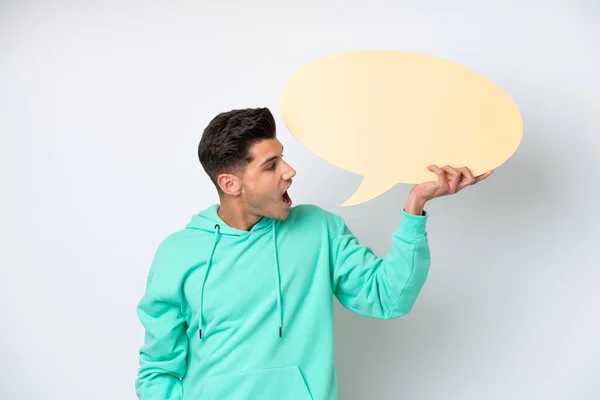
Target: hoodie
(234, 314)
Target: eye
(271, 166)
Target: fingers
(483, 176)
(468, 178)
(459, 178)
(455, 178)
(442, 182)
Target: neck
(236, 216)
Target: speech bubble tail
(369, 188)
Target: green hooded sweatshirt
(234, 314)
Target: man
(239, 304)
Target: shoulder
(315, 215)
(177, 252)
(307, 210)
(173, 243)
(310, 211)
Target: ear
(230, 184)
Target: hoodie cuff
(413, 226)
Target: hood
(209, 221)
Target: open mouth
(286, 198)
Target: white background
(102, 106)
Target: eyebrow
(268, 160)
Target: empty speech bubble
(388, 114)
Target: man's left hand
(457, 180)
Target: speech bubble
(389, 114)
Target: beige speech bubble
(388, 114)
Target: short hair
(225, 144)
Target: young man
(239, 303)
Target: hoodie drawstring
(277, 278)
(278, 289)
(212, 252)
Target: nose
(289, 172)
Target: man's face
(266, 180)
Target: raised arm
(381, 287)
(388, 287)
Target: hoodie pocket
(264, 384)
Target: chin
(280, 214)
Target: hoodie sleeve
(386, 287)
(162, 357)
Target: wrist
(415, 204)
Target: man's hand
(459, 178)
